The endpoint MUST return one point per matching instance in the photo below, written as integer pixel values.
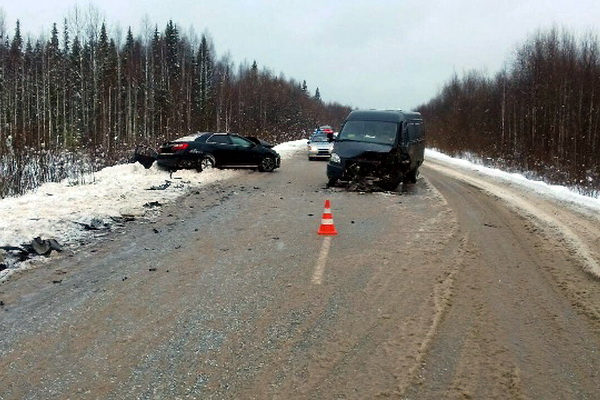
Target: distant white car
(319, 146)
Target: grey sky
(362, 53)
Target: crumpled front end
(371, 168)
(379, 166)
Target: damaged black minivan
(383, 147)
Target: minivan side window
(414, 131)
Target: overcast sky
(361, 53)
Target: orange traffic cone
(327, 228)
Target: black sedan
(221, 150)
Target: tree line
(540, 115)
(88, 92)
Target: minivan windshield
(369, 131)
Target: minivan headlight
(335, 158)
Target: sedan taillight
(180, 146)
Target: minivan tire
(411, 176)
(390, 184)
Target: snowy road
(457, 286)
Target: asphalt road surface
(454, 287)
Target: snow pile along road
(68, 213)
(556, 210)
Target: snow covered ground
(67, 213)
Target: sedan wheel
(207, 162)
(267, 164)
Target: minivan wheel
(267, 164)
(411, 176)
(390, 184)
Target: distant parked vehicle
(385, 147)
(319, 146)
(326, 129)
(221, 150)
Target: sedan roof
(194, 137)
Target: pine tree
(55, 93)
(15, 88)
(205, 65)
(76, 89)
(130, 85)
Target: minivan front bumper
(335, 171)
(351, 169)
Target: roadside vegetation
(83, 97)
(540, 116)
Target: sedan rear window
(240, 141)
